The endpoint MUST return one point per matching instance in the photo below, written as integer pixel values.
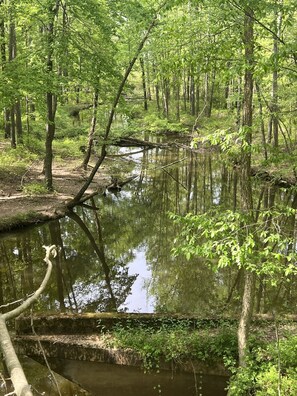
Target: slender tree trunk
(176, 85)
(274, 107)
(206, 94)
(192, 94)
(51, 101)
(262, 121)
(157, 88)
(12, 55)
(197, 95)
(18, 122)
(245, 316)
(16, 114)
(211, 93)
(166, 97)
(7, 124)
(92, 129)
(13, 128)
(238, 103)
(145, 104)
(246, 190)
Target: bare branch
(26, 304)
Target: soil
(18, 209)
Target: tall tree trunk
(166, 97)
(206, 94)
(246, 191)
(157, 88)
(145, 105)
(18, 122)
(7, 125)
(192, 94)
(92, 129)
(176, 85)
(238, 102)
(11, 56)
(197, 94)
(274, 107)
(13, 128)
(262, 121)
(51, 100)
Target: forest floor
(18, 207)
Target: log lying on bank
(133, 142)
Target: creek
(118, 257)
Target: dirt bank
(18, 209)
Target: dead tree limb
(15, 370)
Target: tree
(116, 100)
(51, 98)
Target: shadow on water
(107, 380)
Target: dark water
(110, 380)
(118, 257)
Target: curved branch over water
(15, 370)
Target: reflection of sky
(138, 300)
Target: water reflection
(115, 252)
(112, 380)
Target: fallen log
(133, 142)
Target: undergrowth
(175, 342)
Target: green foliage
(35, 189)
(153, 123)
(15, 161)
(228, 238)
(270, 369)
(69, 148)
(177, 342)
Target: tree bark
(246, 190)
(145, 104)
(274, 107)
(245, 316)
(92, 129)
(51, 101)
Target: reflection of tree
(178, 285)
(100, 253)
(138, 218)
(55, 233)
(117, 281)
(184, 287)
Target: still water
(115, 255)
(102, 379)
(118, 257)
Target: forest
(79, 78)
